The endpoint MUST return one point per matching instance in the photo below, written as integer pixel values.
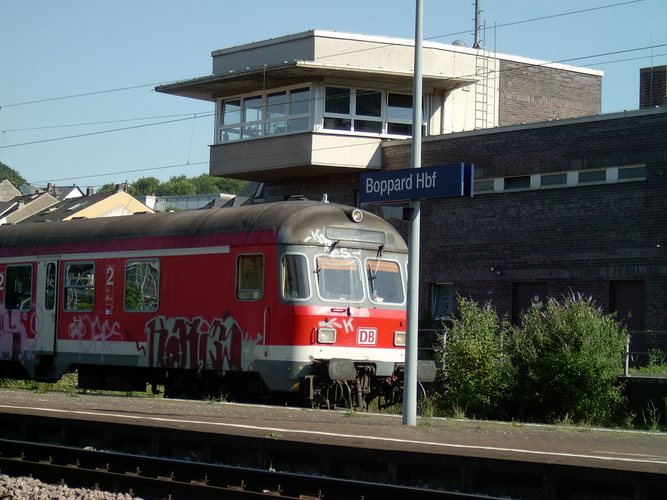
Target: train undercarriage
(330, 384)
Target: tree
(9, 173)
(207, 184)
(145, 186)
(177, 185)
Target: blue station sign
(417, 183)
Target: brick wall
(574, 238)
(530, 93)
(653, 87)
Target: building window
(592, 176)
(142, 285)
(18, 287)
(484, 186)
(79, 287)
(399, 114)
(250, 277)
(368, 111)
(521, 182)
(548, 180)
(442, 304)
(634, 173)
(269, 113)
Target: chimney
(49, 186)
(90, 191)
(653, 87)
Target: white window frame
(353, 116)
(261, 126)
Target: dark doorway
(627, 299)
(527, 295)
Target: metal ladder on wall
(485, 90)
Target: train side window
(79, 287)
(250, 277)
(142, 285)
(18, 287)
(294, 277)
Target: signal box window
(294, 277)
(384, 281)
(18, 293)
(339, 279)
(142, 285)
(79, 287)
(250, 277)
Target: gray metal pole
(412, 344)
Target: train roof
(288, 222)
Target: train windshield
(384, 281)
(339, 279)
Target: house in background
(25, 206)
(118, 203)
(8, 191)
(58, 192)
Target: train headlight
(354, 214)
(399, 338)
(326, 335)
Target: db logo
(367, 336)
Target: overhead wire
(196, 115)
(312, 99)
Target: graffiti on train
(196, 343)
(17, 335)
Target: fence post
(626, 371)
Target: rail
(154, 477)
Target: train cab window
(18, 287)
(142, 285)
(339, 279)
(384, 281)
(250, 277)
(294, 277)
(79, 287)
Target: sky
(77, 77)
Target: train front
(342, 280)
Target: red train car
(293, 298)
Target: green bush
(476, 375)
(567, 357)
(561, 364)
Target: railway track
(153, 477)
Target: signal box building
(310, 111)
(566, 199)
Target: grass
(67, 384)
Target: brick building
(571, 205)
(566, 199)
